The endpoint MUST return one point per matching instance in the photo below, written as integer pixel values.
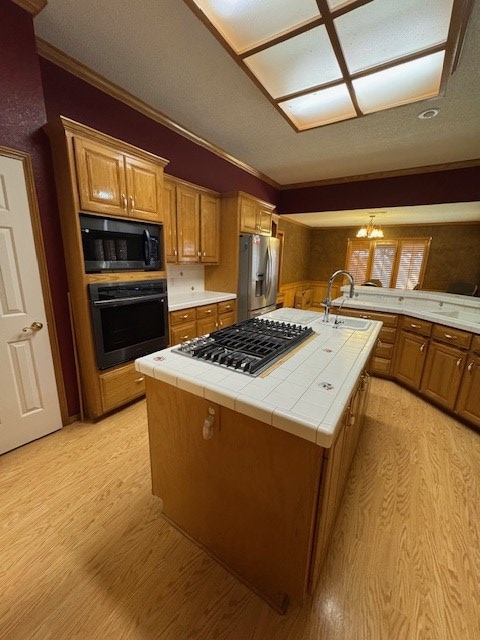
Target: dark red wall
(456, 185)
(67, 95)
(22, 116)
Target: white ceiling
(159, 51)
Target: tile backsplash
(185, 278)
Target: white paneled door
(29, 405)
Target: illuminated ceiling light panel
(319, 108)
(383, 31)
(323, 61)
(409, 82)
(247, 23)
(302, 62)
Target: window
(398, 264)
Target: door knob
(35, 326)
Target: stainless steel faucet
(327, 303)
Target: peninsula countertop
(460, 312)
(177, 301)
(304, 394)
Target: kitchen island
(253, 468)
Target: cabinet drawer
(227, 306)
(183, 332)
(387, 334)
(414, 325)
(381, 365)
(455, 337)
(120, 386)
(206, 311)
(388, 319)
(181, 316)
(384, 350)
(476, 344)
(226, 319)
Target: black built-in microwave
(121, 245)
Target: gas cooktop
(249, 346)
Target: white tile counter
(304, 395)
(461, 312)
(196, 299)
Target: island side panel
(248, 495)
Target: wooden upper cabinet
(209, 228)
(170, 220)
(144, 183)
(115, 183)
(255, 216)
(101, 177)
(188, 224)
(192, 223)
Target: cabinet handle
(449, 337)
(470, 366)
(204, 254)
(185, 317)
(199, 254)
(140, 379)
(124, 198)
(365, 317)
(228, 306)
(459, 361)
(415, 326)
(132, 203)
(174, 252)
(208, 311)
(422, 347)
(208, 424)
(184, 337)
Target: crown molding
(61, 59)
(32, 6)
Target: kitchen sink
(464, 316)
(345, 322)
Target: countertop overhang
(426, 305)
(177, 301)
(305, 394)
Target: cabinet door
(170, 221)
(209, 229)
(411, 353)
(248, 216)
(101, 178)
(468, 404)
(443, 372)
(188, 218)
(182, 332)
(143, 189)
(226, 319)
(265, 221)
(206, 325)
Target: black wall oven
(119, 245)
(130, 319)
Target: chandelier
(370, 230)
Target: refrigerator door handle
(268, 271)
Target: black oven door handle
(120, 301)
(146, 246)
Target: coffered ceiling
(161, 52)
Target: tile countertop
(304, 395)
(460, 312)
(196, 298)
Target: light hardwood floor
(85, 554)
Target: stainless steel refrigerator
(258, 275)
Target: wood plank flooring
(85, 554)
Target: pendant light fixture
(370, 231)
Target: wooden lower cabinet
(468, 403)
(259, 499)
(410, 358)
(186, 324)
(121, 385)
(381, 362)
(443, 372)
